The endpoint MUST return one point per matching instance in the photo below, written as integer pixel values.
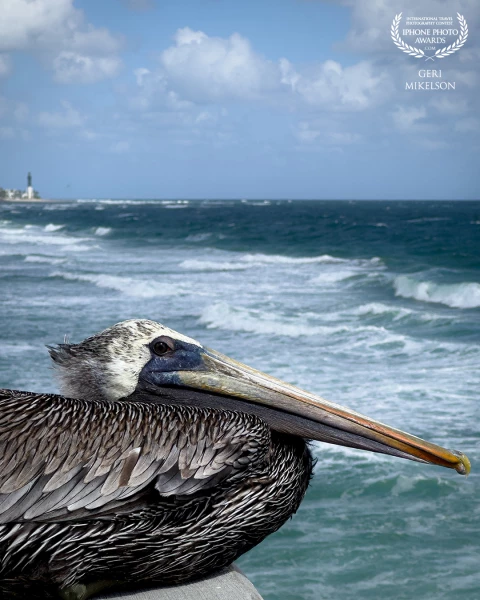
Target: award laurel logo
(442, 29)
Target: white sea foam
(35, 258)
(209, 265)
(33, 234)
(334, 276)
(259, 258)
(102, 231)
(456, 295)
(397, 312)
(109, 201)
(327, 259)
(51, 227)
(224, 316)
(331, 274)
(129, 286)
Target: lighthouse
(29, 186)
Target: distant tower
(29, 186)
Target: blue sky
(232, 99)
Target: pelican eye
(162, 347)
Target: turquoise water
(374, 305)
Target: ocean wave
(353, 336)
(256, 202)
(259, 258)
(396, 312)
(209, 265)
(455, 295)
(334, 276)
(240, 262)
(224, 316)
(136, 288)
(130, 202)
(35, 258)
(428, 219)
(102, 230)
(33, 234)
(51, 227)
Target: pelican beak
(290, 410)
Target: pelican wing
(62, 458)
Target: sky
(234, 99)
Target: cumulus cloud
(59, 34)
(200, 69)
(329, 85)
(205, 69)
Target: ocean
(374, 305)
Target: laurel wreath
(418, 52)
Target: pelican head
(141, 360)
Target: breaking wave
(224, 316)
(33, 234)
(208, 265)
(129, 286)
(102, 230)
(290, 260)
(35, 258)
(52, 227)
(455, 295)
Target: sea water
(374, 305)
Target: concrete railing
(229, 584)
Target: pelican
(162, 461)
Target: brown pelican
(164, 461)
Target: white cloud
(60, 35)
(71, 67)
(205, 69)
(199, 69)
(68, 118)
(152, 91)
(329, 85)
(405, 118)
